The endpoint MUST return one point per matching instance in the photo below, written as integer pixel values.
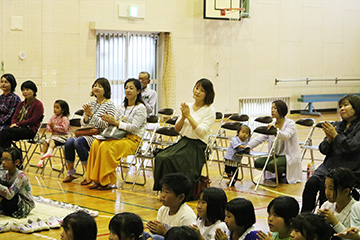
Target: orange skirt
(105, 156)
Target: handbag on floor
(203, 183)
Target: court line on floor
(96, 197)
(43, 236)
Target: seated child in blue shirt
(237, 145)
(175, 188)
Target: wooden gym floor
(144, 202)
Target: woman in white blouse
(288, 158)
(194, 125)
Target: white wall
(282, 39)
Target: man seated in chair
(287, 150)
(149, 96)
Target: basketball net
(233, 14)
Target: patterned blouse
(8, 104)
(19, 185)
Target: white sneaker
(40, 163)
(33, 224)
(52, 222)
(91, 212)
(5, 227)
(42, 225)
(59, 219)
(21, 228)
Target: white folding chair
(142, 160)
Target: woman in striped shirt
(93, 111)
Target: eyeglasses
(6, 159)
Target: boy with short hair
(175, 188)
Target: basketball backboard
(222, 9)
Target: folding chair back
(165, 114)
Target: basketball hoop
(234, 14)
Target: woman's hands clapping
(88, 110)
(185, 110)
(110, 119)
(329, 130)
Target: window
(123, 55)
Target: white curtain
(123, 55)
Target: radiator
(255, 107)
(261, 106)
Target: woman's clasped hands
(329, 130)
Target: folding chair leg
(127, 174)
(139, 169)
(263, 171)
(242, 172)
(251, 172)
(233, 177)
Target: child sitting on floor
(16, 199)
(281, 213)
(126, 225)
(340, 192)
(310, 226)
(239, 218)
(79, 226)
(237, 145)
(211, 213)
(59, 126)
(175, 188)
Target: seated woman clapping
(105, 155)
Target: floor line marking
(100, 198)
(43, 236)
